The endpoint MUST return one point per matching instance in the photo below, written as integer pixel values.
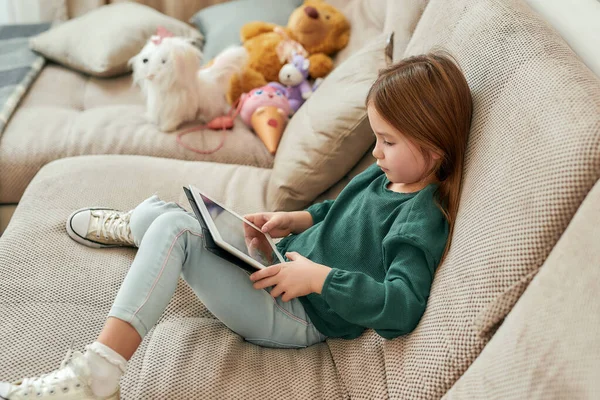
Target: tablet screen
(239, 234)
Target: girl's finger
(287, 297)
(252, 218)
(265, 272)
(276, 291)
(265, 218)
(265, 283)
(292, 255)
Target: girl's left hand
(296, 278)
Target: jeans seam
(162, 269)
(290, 314)
(274, 341)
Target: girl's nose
(378, 154)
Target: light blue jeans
(170, 244)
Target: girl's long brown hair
(428, 100)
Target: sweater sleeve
(392, 307)
(318, 211)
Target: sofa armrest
(549, 343)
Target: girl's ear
(435, 156)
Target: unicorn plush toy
(294, 76)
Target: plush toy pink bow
(161, 33)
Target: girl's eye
(145, 60)
(387, 143)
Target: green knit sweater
(383, 248)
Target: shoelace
(70, 373)
(115, 225)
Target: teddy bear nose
(311, 12)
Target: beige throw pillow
(101, 42)
(330, 132)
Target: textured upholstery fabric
(54, 290)
(67, 114)
(367, 22)
(532, 157)
(371, 17)
(549, 345)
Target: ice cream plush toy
(266, 110)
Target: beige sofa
(513, 311)
(67, 113)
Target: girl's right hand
(277, 224)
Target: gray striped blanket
(19, 66)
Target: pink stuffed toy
(266, 110)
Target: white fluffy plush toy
(140, 62)
(176, 89)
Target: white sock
(106, 367)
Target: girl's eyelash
(387, 143)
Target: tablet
(234, 233)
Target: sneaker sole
(84, 241)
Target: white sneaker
(70, 382)
(100, 227)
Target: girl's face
(400, 159)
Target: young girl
(364, 260)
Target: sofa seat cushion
(68, 114)
(53, 290)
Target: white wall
(578, 22)
(30, 11)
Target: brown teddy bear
(319, 27)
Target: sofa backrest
(548, 346)
(533, 155)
